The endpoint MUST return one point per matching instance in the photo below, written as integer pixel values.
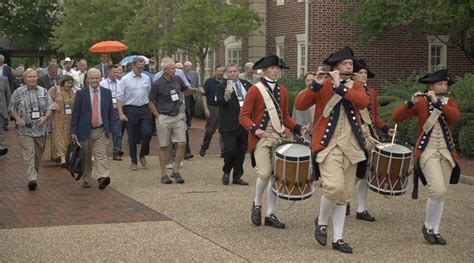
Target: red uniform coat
(374, 111)
(320, 95)
(253, 110)
(421, 110)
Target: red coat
(374, 110)
(421, 110)
(320, 95)
(252, 112)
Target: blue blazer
(81, 123)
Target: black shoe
(32, 185)
(121, 153)
(321, 233)
(166, 180)
(342, 246)
(239, 182)
(256, 214)
(202, 152)
(103, 182)
(177, 178)
(225, 179)
(188, 156)
(365, 216)
(3, 151)
(439, 239)
(273, 221)
(348, 209)
(428, 234)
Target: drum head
(296, 151)
(396, 150)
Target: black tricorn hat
(268, 61)
(362, 65)
(436, 76)
(340, 55)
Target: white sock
(325, 210)
(338, 218)
(363, 187)
(431, 207)
(260, 189)
(272, 198)
(437, 216)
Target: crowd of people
(336, 112)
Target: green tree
(200, 24)
(454, 18)
(28, 21)
(85, 22)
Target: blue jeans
(116, 134)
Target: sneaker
(166, 180)
(133, 167)
(177, 177)
(169, 166)
(143, 162)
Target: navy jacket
(81, 123)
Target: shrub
(292, 84)
(466, 139)
(199, 109)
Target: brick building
(305, 32)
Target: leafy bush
(199, 109)
(466, 139)
(292, 84)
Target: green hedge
(466, 139)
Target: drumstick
(393, 136)
(374, 140)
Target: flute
(437, 94)
(327, 72)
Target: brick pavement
(59, 199)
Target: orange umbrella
(108, 46)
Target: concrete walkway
(203, 220)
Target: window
(233, 50)
(437, 52)
(207, 66)
(280, 2)
(301, 42)
(280, 49)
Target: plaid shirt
(23, 101)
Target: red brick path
(59, 199)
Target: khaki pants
(437, 171)
(32, 148)
(338, 175)
(263, 153)
(95, 145)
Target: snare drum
(292, 171)
(390, 167)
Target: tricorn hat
(340, 55)
(362, 65)
(437, 76)
(268, 61)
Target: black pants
(235, 147)
(138, 129)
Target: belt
(170, 114)
(133, 106)
(101, 126)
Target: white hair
(28, 71)
(166, 62)
(249, 65)
(188, 63)
(93, 70)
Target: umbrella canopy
(108, 46)
(127, 59)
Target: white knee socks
(434, 212)
(363, 187)
(325, 209)
(338, 218)
(260, 189)
(272, 198)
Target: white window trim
(434, 41)
(301, 41)
(231, 43)
(280, 2)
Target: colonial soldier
(338, 144)
(370, 120)
(436, 159)
(265, 115)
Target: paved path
(139, 219)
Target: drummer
(436, 159)
(338, 144)
(370, 120)
(266, 120)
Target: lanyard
(37, 100)
(108, 86)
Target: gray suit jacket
(4, 96)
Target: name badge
(67, 109)
(114, 102)
(241, 103)
(35, 113)
(174, 95)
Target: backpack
(74, 162)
